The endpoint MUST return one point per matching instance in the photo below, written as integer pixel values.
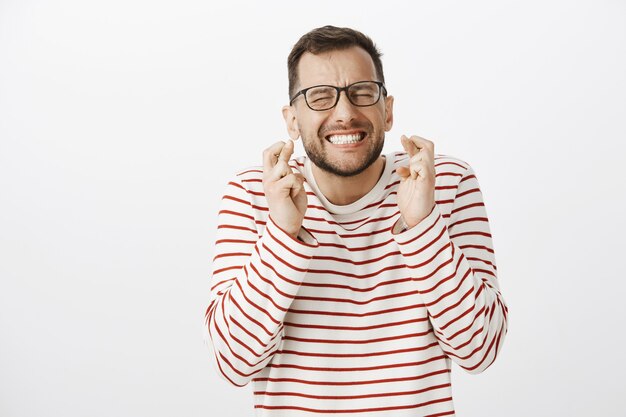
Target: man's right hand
(284, 189)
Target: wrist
(402, 226)
(411, 222)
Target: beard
(317, 153)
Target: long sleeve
(253, 282)
(455, 271)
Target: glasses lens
(364, 94)
(321, 98)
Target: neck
(346, 190)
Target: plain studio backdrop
(122, 121)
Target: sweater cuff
(421, 236)
(304, 236)
(304, 246)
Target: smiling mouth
(346, 139)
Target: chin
(319, 157)
(344, 171)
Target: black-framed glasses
(325, 97)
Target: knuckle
(272, 188)
(284, 166)
(272, 148)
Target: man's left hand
(416, 193)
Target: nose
(344, 111)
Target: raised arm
(256, 272)
(455, 271)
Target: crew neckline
(374, 194)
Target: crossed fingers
(421, 156)
(276, 161)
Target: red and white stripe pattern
(361, 321)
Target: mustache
(365, 126)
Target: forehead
(340, 67)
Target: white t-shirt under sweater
(360, 319)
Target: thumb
(289, 148)
(403, 172)
(297, 185)
(406, 144)
(295, 190)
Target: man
(347, 281)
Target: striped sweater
(361, 318)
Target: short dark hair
(330, 38)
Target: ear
(291, 120)
(388, 113)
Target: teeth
(343, 139)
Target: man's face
(339, 68)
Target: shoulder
(444, 164)
(256, 172)
(251, 178)
(452, 163)
(245, 181)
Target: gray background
(121, 121)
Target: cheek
(375, 114)
(309, 126)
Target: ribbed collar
(372, 196)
